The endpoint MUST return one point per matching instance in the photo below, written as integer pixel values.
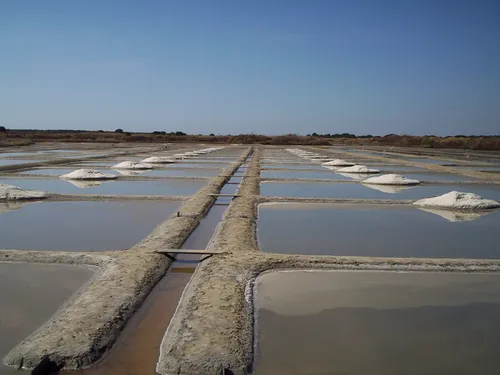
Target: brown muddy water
(82, 225)
(374, 230)
(30, 295)
(391, 323)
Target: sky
(262, 66)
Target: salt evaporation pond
(30, 295)
(378, 231)
(182, 172)
(395, 168)
(82, 225)
(316, 167)
(156, 187)
(5, 162)
(304, 175)
(359, 191)
(391, 323)
(439, 177)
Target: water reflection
(84, 184)
(455, 216)
(391, 323)
(389, 189)
(129, 172)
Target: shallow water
(157, 187)
(30, 295)
(480, 168)
(325, 174)
(372, 230)
(4, 162)
(428, 161)
(182, 165)
(395, 168)
(390, 323)
(97, 163)
(18, 154)
(182, 172)
(82, 225)
(293, 166)
(438, 177)
(356, 190)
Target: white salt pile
(11, 192)
(459, 201)
(358, 169)
(132, 165)
(338, 163)
(390, 179)
(158, 160)
(87, 174)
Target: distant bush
(212, 135)
(119, 131)
(159, 133)
(3, 129)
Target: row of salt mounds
(13, 193)
(338, 163)
(87, 174)
(158, 160)
(132, 165)
(390, 179)
(458, 201)
(358, 169)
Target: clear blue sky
(263, 66)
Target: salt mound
(358, 169)
(132, 165)
(338, 163)
(391, 179)
(11, 192)
(455, 216)
(87, 174)
(158, 160)
(458, 200)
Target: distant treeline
(14, 137)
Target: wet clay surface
(377, 323)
